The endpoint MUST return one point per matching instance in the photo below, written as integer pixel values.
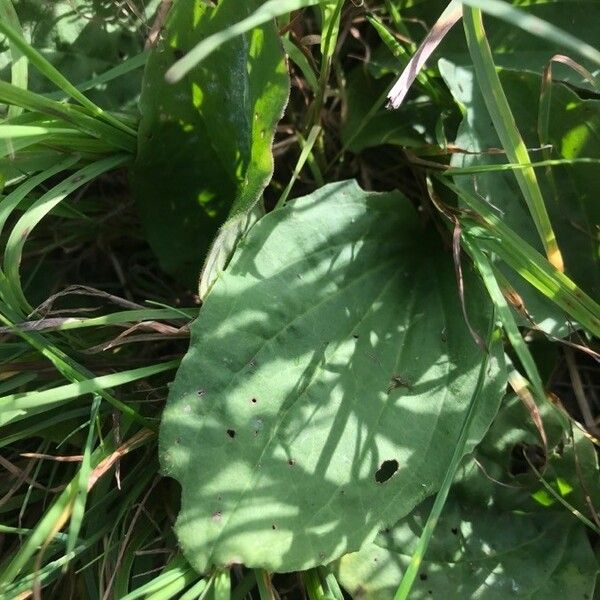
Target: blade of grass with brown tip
(506, 128)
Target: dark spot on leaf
(178, 440)
(201, 393)
(355, 336)
(254, 400)
(455, 530)
(322, 555)
(217, 515)
(273, 526)
(231, 433)
(386, 470)
(423, 576)
(397, 381)
(291, 462)
(178, 53)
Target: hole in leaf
(386, 470)
(254, 400)
(231, 433)
(178, 53)
(423, 576)
(291, 462)
(455, 530)
(273, 526)
(522, 454)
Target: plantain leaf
(204, 150)
(478, 553)
(496, 540)
(327, 379)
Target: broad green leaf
(205, 142)
(328, 377)
(574, 132)
(494, 539)
(478, 553)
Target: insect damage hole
(387, 469)
(231, 433)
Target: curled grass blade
(504, 123)
(12, 200)
(26, 224)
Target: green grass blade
(177, 569)
(12, 200)
(504, 123)
(506, 316)
(15, 407)
(553, 162)
(81, 492)
(535, 26)
(127, 66)
(265, 13)
(56, 77)
(117, 318)
(297, 57)
(527, 262)
(402, 55)
(92, 125)
(26, 224)
(410, 575)
(197, 591)
(306, 150)
(69, 368)
(19, 63)
(18, 131)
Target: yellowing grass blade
(504, 123)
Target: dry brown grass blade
(442, 26)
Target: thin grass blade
(504, 123)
